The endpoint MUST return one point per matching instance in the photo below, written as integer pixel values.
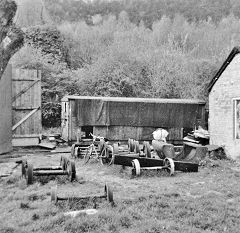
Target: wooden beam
(24, 90)
(24, 108)
(24, 119)
(15, 79)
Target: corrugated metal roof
(146, 100)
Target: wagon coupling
(66, 167)
(108, 195)
(168, 165)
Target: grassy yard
(207, 201)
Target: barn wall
(6, 111)
(121, 132)
(221, 114)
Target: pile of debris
(199, 136)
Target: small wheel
(136, 147)
(106, 155)
(24, 167)
(131, 145)
(115, 149)
(109, 194)
(87, 155)
(71, 170)
(169, 163)
(76, 150)
(111, 155)
(73, 151)
(54, 195)
(63, 162)
(136, 166)
(147, 149)
(29, 174)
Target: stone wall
(221, 110)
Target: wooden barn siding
(29, 80)
(120, 132)
(221, 119)
(6, 111)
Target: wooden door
(6, 111)
(26, 105)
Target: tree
(11, 37)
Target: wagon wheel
(111, 155)
(147, 149)
(102, 147)
(29, 174)
(131, 145)
(24, 166)
(109, 194)
(71, 170)
(169, 164)
(106, 156)
(73, 151)
(54, 195)
(88, 154)
(136, 167)
(136, 147)
(63, 162)
(115, 151)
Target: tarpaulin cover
(105, 112)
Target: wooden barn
(224, 105)
(121, 118)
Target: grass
(207, 201)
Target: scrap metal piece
(29, 174)
(147, 149)
(136, 147)
(131, 145)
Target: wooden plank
(24, 108)
(25, 141)
(23, 80)
(24, 119)
(144, 162)
(186, 166)
(27, 136)
(24, 90)
(6, 111)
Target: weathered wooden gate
(26, 106)
(5, 111)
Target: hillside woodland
(132, 48)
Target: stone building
(224, 105)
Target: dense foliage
(142, 10)
(175, 56)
